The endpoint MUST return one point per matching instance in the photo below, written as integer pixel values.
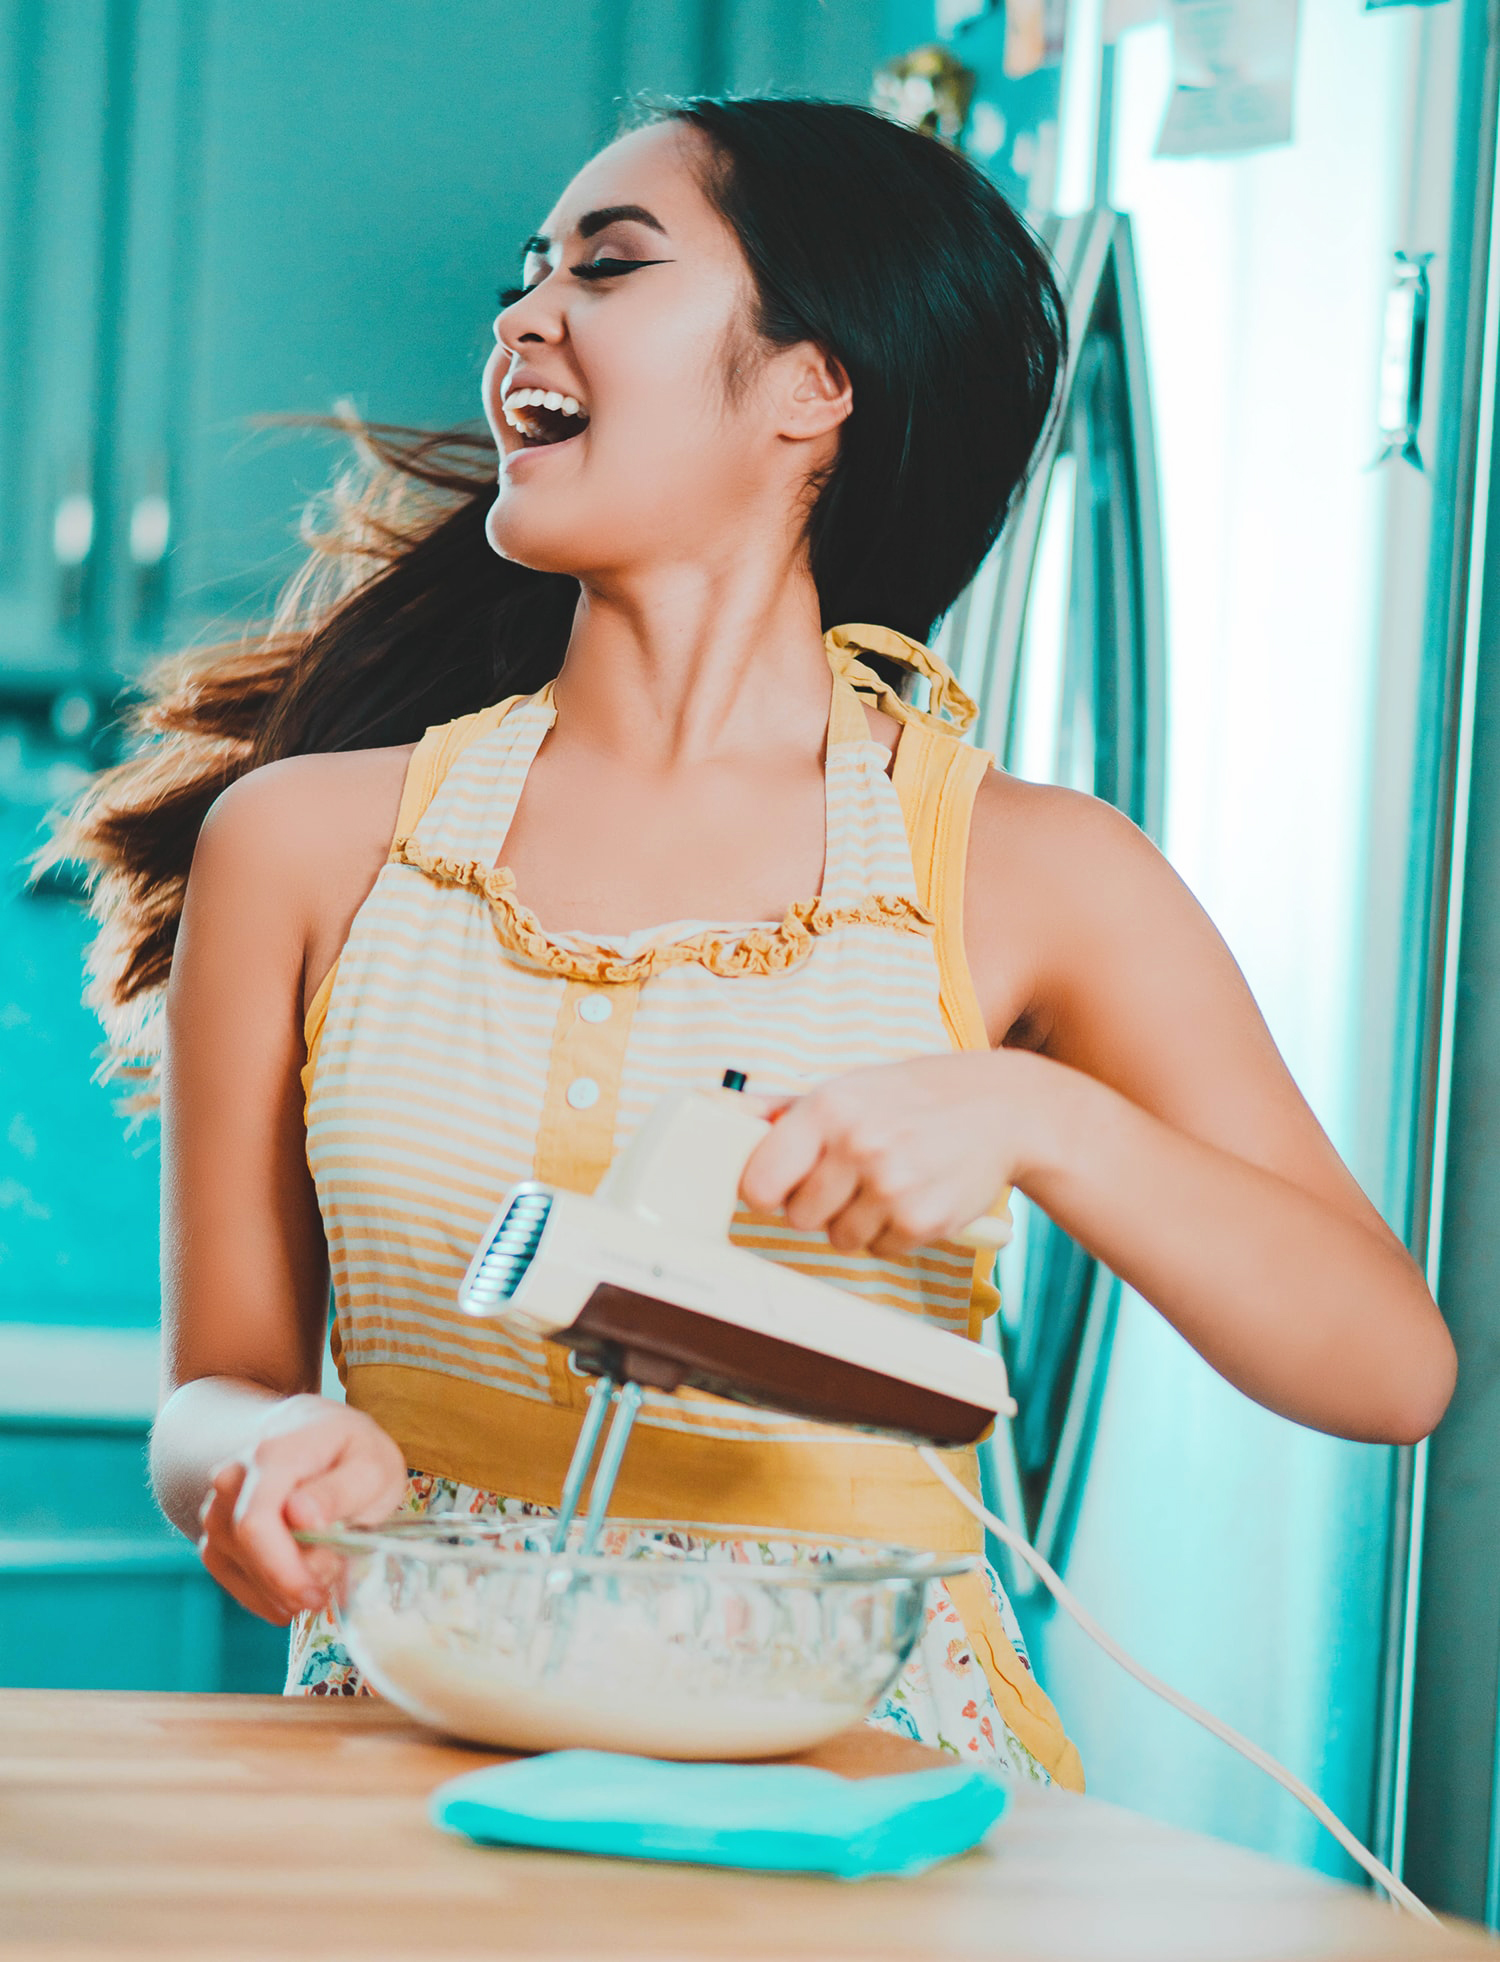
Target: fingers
(360, 1488)
(887, 1158)
(823, 1194)
(216, 1549)
(859, 1223)
(877, 1223)
(239, 1582)
(262, 1482)
(311, 1465)
(263, 1540)
(783, 1158)
(364, 1485)
(897, 1238)
(916, 1217)
(810, 1168)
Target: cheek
(678, 463)
(658, 383)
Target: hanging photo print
(1033, 35)
(1233, 63)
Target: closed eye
(612, 268)
(590, 269)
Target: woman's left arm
(1150, 1115)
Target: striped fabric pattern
(429, 1079)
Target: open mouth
(542, 417)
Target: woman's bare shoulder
(1043, 828)
(302, 841)
(1055, 877)
(336, 809)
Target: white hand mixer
(641, 1282)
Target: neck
(691, 663)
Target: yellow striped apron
(458, 1046)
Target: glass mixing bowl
(671, 1641)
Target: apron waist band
(519, 1447)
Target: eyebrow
(593, 222)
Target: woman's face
(622, 442)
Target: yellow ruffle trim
(761, 950)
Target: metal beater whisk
(627, 1399)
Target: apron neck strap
(949, 709)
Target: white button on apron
(583, 1093)
(596, 1008)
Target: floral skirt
(942, 1697)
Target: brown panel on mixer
(649, 1340)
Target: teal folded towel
(789, 1818)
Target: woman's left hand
(898, 1155)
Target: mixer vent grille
(503, 1264)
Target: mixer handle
(683, 1168)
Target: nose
(533, 318)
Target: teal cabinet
(360, 180)
(97, 1591)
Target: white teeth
(520, 399)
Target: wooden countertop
(218, 1827)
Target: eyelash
(590, 269)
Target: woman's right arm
(244, 1449)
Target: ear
(815, 393)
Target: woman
(775, 367)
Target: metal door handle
(150, 528)
(72, 543)
(149, 536)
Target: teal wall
(211, 212)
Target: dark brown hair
(895, 255)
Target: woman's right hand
(310, 1461)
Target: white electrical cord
(1381, 1875)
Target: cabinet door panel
(97, 1590)
(363, 179)
(62, 138)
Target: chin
(552, 535)
(541, 547)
